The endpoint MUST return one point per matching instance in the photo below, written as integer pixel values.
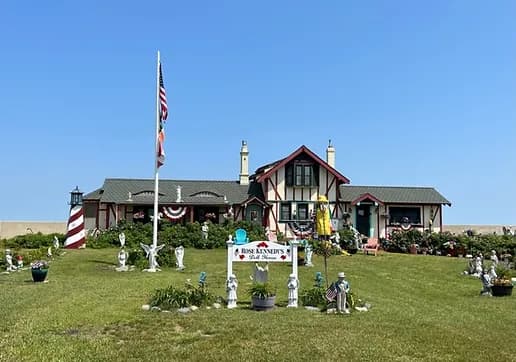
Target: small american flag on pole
(331, 292)
(163, 114)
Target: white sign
(262, 251)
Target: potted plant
(502, 284)
(263, 296)
(39, 270)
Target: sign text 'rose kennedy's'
(262, 251)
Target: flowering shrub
(39, 264)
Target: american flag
(162, 96)
(331, 292)
(163, 114)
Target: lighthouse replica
(75, 234)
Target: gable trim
(303, 149)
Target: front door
(253, 213)
(363, 219)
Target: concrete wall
(8, 229)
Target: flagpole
(156, 169)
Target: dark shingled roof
(394, 194)
(94, 195)
(192, 191)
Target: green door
(362, 219)
(253, 213)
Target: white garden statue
(9, 261)
(180, 253)
(478, 267)
(121, 238)
(342, 291)
(56, 243)
(293, 287)
(204, 230)
(494, 257)
(231, 287)
(122, 260)
(151, 253)
(308, 255)
(486, 280)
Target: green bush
(314, 297)
(165, 258)
(173, 297)
(135, 233)
(446, 243)
(32, 241)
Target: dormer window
(205, 194)
(301, 173)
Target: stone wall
(8, 229)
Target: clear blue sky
(411, 93)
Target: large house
(281, 196)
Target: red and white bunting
(174, 213)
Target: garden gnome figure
(293, 286)
(180, 253)
(122, 259)
(231, 287)
(308, 255)
(9, 261)
(342, 291)
(204, 230)
(19, 261)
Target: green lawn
(423, 309)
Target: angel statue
(151, 253)
(121, 238)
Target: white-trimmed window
(404, 214)
(285, 211)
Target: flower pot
(501, 290)
(413, 249)
(263, 303)
(39, 275)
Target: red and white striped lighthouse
(75, 235)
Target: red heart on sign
(283, 257)
(242, 256)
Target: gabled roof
(366, 196)
(199, 192)
(262, 173)
(394, 194)
(94, 195)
